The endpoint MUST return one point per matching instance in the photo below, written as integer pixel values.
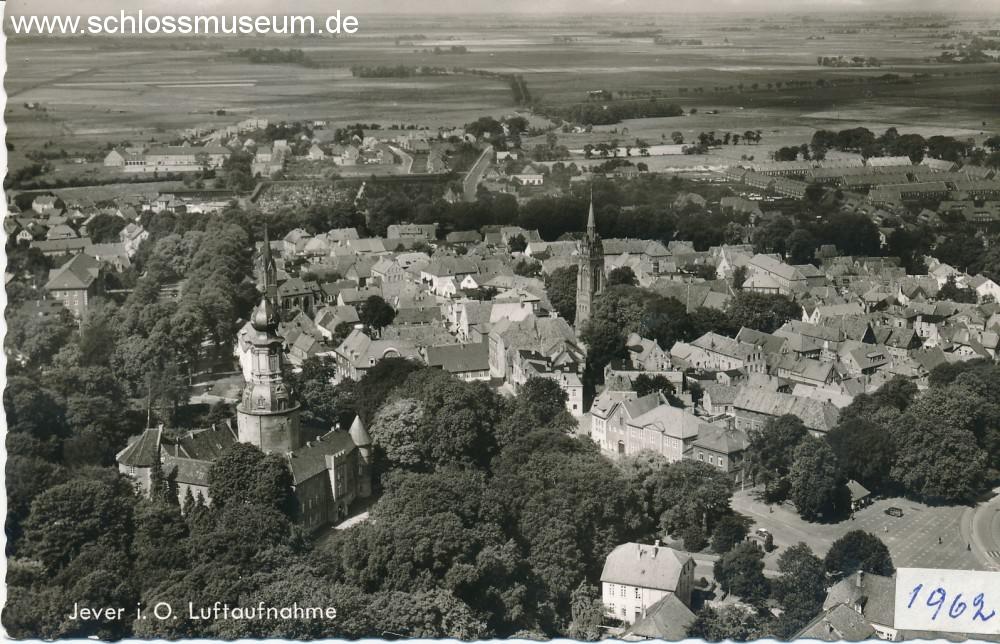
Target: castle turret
(267, 415)
(364, 442)
(590, 278)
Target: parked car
(894, 511)
(763, 539)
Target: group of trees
(495, 520)
(800, 236)
(799, 590)
(611, 112)
(634, 208)
(890, 143)
(275, 56)
(794, 465)
(893, 440)
(397, 71)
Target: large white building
(637, 575)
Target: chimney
(861, 579)
(656, 548)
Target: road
(475, 174)
(407, 159)
(912, 539)
(984, 528)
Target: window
(638, 592)
(623, 591)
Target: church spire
(270, 271)
(591, 220)
(590, 278)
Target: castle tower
(364, 442)
(590, 278)
(267, 415)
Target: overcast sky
(362, 7)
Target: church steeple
(269, 271)
(591, 220)
(590, 279)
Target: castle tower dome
(359, 434)
(268, 414)
(364, 442)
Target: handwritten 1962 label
(954, 601)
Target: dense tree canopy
(771, 454)
(858, 550)
(817, 485)
(741, 572)
(801, 589)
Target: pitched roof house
(636, 576)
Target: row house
(714, 352)
(358, 353)
(666, 430)
(806, 370)
(468, 362)
(529, 364)
(647, 355)
(722, 447)
(552, 338)
(753, 407)
(789, 279)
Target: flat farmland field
(82, 94)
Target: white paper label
(953, 601)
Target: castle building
(590, 278)
(329, 471)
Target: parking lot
(912, 538)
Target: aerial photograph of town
(627, 320)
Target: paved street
(475, 174)
(984, 525)
(912, 539)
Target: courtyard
(912, 539)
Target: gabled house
(358, 353)
(636, 576)
(666, 430)
(76, 283)
(722, 447)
